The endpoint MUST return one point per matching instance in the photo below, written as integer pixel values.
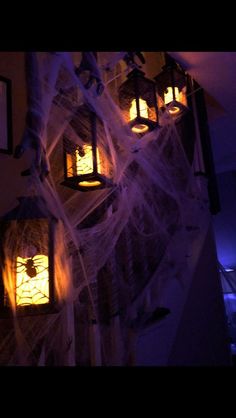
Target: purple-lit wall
(225, 221)
(202, 337)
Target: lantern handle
(89, 63)
(169, 61)
(129, 59)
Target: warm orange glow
(90, 183)
(32, 280)
(168, 95)
(174, 110)
(183, 96)
(142, 107)
(139, 127)
(84, 164)
(69, 165)
(180, 96)
(29, 240)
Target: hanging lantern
(86, 166)
(27, 258)
(172, 88)
(137, 97)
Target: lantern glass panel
(27, 262)
(82, 166)
(81, 162)
(32, 280)
(138, 103)
(87, 162)
(143, 111)
(171, 88)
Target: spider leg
(20, 269)
(41, 269)
(39, 291)
(19, 263)
(38, 259)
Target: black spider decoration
(31, 266)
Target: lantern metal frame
(173, 76)
(137, 86)
(30, 208)
(74, 180)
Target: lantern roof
(136, 72)
(169, 71)
(170, 66)
(29, 207)
(136, 84)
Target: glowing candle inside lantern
(169, 97)
(32, 280)
(84, 165)
(143, 109)
(69, 165)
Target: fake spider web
(113, 255)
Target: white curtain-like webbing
(155, 192)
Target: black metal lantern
(27, 258)
(86, 165)
(172, 88)
(137, 97)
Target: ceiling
(215, 72)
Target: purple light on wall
(225, 220)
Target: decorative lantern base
(88, 182)
(141, 125)
(175, 109)
(29, 310)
